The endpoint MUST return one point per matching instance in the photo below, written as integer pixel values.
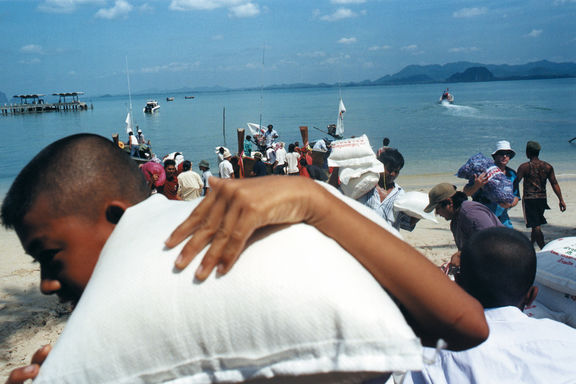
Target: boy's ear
(114, 211)
(530, 296)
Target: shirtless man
(536, 173)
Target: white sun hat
(504, 145)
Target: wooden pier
(37, 104)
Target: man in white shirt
(225, 167)
(280, 163)
(498, 267)
(190, 184)
(206, 174)
(270, 135)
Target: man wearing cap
(259, 168)
(466, 217)
(535, 173)
(140, 137)
(206, 174)
(225, 167)
(502, 156)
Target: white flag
(128, 123)
(340, 121)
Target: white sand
(29, 320)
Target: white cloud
(218, 37)
(172, 67)
(347, 1)
(31, 61)
(534, 33)
(470, 12)
(409, 48)
(339, 14)
(379, 47)
(120, 8)
(145, 8)
(65, 6)
(560, 2)
(314, 54)
(244, 10)
(204, 5)
(347, 40)
(32, 49)
(463, 49)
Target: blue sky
(66, 45)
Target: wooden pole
(240, 134)
(304, 134)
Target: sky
(83, 45)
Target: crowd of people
(494, 268)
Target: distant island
(458, 72)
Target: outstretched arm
(229, 216)
(556, 189)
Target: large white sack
(555, 305)
(296, 303)
(413, 203)
(557, 265)
(351, 152)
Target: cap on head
(204, 164)
(257, 155)
(533, 146)
(226, 154)
(139, 131)
(504, 146)
(438, 194)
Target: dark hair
(248, 137)
(168, 162)
(497, 267)
(386, 141)
(392, 159)
(291, 147)
(186, 165)
(532, 152)
(77, 174)
(458, 198)
(221, 149)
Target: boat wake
(461, 110)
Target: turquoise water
(433, 138)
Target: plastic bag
(499, 188)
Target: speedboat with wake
(446, 97)
(151, 106)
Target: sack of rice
(499, 188)
(413, 203)
(557, 265)
(351, 152)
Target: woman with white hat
(502, 156)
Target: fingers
(20, 375)
(41, 354)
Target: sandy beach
(29, 320)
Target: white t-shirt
(226, 169)
(292, 161)
(190, 185)
(280, 156)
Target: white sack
(280, 312)
(413, 203)
(557, 265)
(351, 152)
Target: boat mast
(129, 95)
(262, 85)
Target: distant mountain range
(461, 71)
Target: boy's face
(67, 248)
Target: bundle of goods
(499, 188)
(413, 203)
(152, 168)
(359, 168)
(556, 280)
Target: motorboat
(189, 97)
(446, 97)
(151, 106)
(169, 99)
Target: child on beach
(64, 217)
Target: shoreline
(29, 319)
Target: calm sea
(433, 138)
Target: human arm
(479, 181)
(556, 189)
(29, 372)
(229, 216)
